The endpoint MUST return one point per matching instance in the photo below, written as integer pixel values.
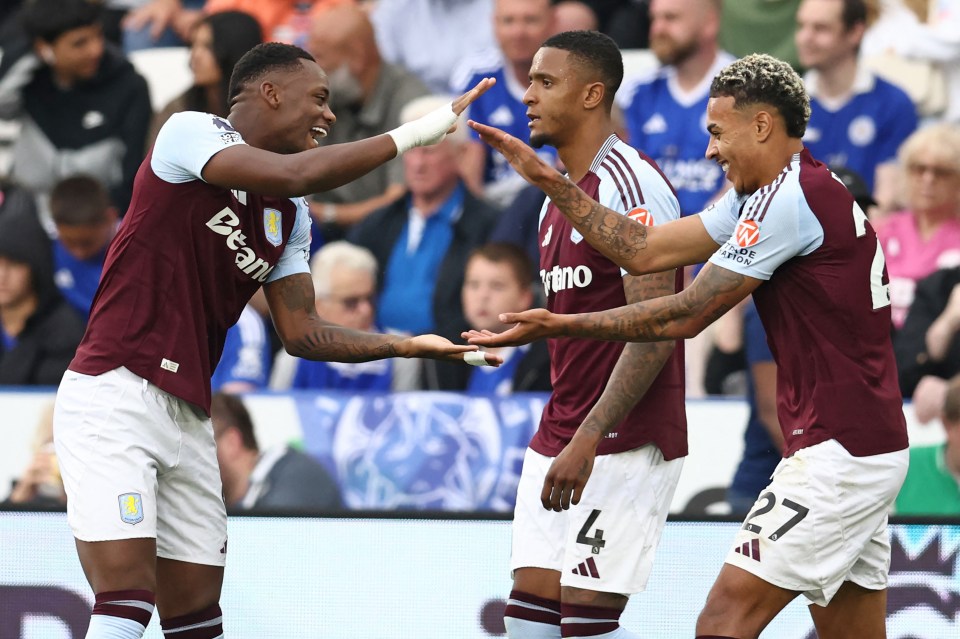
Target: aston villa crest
(272, 226)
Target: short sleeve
(296, 254)
(720, 218)
(187, 141)
(776, 225)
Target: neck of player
(580, 149)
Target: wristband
(425, 130)
(475, 358)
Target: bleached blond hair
(762, 79)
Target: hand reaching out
(521, 156)
(530, 326)
(436, 347)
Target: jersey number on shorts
(770, 500)
(879, 291)
(596, 542)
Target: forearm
(637, 368)
(619, 238)
(331, 343)
(329, 167)
(940, 335)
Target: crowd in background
(444, 238)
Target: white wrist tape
(475, 358)
(425, 130)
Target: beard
(539, 140)
(345, 87)
(670, 52)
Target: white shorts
(138, 462)
(606, 543)
(822, 521)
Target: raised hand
(568, 476)
(529, 326)
(521, 156)
(436, 347)
(461, 103)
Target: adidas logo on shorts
(750, 549)
(587, 568)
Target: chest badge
(272, 226)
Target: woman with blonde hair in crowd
(925, 236)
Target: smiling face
(303, 116)
(554, 88)
(821, 37)
(733, 144)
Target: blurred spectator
(280, 20)
(926, 35)
(927, 345)
(367, 95)
(496, 280)
(247, 355)
(142, 24)
(279, 479)
(762, 440)
(422, 241)
(39, 331)
(520, 27)
(926, 236)
(345, 285)
(219, 40)
(665, 113)
(82, 106)
(40, 484)
(760, 26)
(626, 21)
(573, 15)
(519, 224)
(859, 190)
(932, 486)
(857, 119)
(85, 223)
(431, 37)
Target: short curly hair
(762, 79)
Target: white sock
(524, 629)
(107, 627)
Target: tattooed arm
(305, 334)
(638, 366)
(714, 291)
(631, 245)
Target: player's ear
(763, 123)
(271, 93)
(594, 95)
(44, 51)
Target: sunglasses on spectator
(939, 172)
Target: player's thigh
(123, 564)
(112, 440)
(821, 521)
(192, 521)
(613, 533)
(538, 534)
(853, 612)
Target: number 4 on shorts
(596, 542)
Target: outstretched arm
(255, 170)
(304, 334)
(635, 371)
(714, 291)
(633, 246)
